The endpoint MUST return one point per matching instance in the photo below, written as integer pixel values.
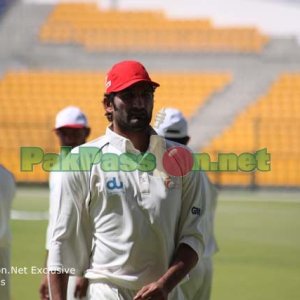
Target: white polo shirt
(124, 227)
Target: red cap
(124, 74)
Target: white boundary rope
(43, 215)
(29, 215)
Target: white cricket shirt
(208, 218)
(54, 195)
(124, 227)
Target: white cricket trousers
(4, 270)
(198, 287)
(99, 291)
(71, 289)
(107, 291)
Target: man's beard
(135, 120)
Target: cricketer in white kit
(132, 227)
(7, 192)
(72, 130)
(171, 124)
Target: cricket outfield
(257, 233)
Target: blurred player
(72, 130)
(171, 124)
(135, 227)
(7, 192)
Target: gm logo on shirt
(114, 184)
(196, 210)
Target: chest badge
(169, 183)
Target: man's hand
(154, 291)
(184, 260)
(44, 289)
(81, 287)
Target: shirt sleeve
(70, 236)
(193, 207)
(208, 219)
(54, 190)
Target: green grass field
(258, 235)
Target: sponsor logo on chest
(114, 183)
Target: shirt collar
(157, 143)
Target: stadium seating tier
(31, 99)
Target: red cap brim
(129, 83)
(72, 126)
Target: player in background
(71, 128)
(136, 235)
(7, 192)
(171, 124)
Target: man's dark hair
(107, 99)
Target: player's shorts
(112, 292)
(4, 273)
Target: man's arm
(184, 260)
(189, 240)
(71, 235)
(58, 285)
(44, 288)
(81, 287)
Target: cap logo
(81, 118)
(107, 82)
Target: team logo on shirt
(114, 184)
(170, 183)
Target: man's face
(132, 107)
(72, 137)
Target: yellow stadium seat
(32, 99)
(98, 30)
(272, 122)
